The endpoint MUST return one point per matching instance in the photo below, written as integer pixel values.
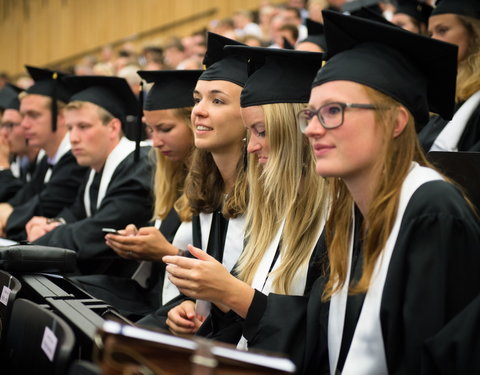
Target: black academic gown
(215, 248)
(469, 141)
(11, 185)
(228, 327)
(39, 199)
(433, 275)
(128, 199)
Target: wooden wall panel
(44, 32)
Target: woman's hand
(206, 278)
(146, 243)
(182, 320)
(201, 278)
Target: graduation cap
(371, 14)
(316, 34)
(47, 83)
(417, 10)
(220, 66)
(277, 75)
(416, 71)
(9, 97)
(470, 8)
(171, 89)
(111, 93)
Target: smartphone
(111, 230)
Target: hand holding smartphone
(111, 230)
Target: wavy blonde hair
(169, 178)
(468, 75)
(286, 188)
(393, 163)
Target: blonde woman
(402, 241)
(286, 210)
(458, 22)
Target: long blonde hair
(287, 188)
(468, 76)
(169, 179)
(393, 164)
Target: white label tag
(5, 294)
(49, 343)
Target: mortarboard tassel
(138, 135)
(54, 102)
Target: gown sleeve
(58, 193)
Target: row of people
(396, 228)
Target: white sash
(367, 350)
(232, 250)
(263, 283)
(183, 237)
(15, 166)
(118, 154)
(64, 147)
(261, 275)
(170, 291)
(144, 270)
(448, 138)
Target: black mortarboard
(277, 75)
(470, 8)
(417, 71)
(371, 15)
(171, 89)
(9, 97)
(415, 9)
(222, 67)
(111, 93)
(47, 83)
(316, 34)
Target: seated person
(115, 192)
(57, 177)
(17, 158)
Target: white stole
(15, 166)
(170, 291)
(232, 250)
(367, 349)
(144, 270)
(263, 283)
(448, 138)
(64, 147)
(183, 237)
(118, 154)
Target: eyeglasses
(8, 125)
(330, 115)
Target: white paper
(49, 343)
(5, 294)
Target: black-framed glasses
(330, 115)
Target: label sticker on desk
(49, 343)
(5, 294)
